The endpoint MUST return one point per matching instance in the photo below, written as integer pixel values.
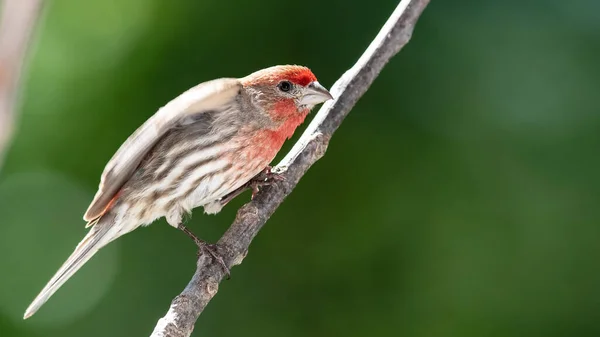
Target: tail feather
(100, 235)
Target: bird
(200, 149)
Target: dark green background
(459, 198)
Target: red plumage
(296, 74)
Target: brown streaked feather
(213, 95)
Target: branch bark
(233, 245)
(17, 21)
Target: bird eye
(284, 86)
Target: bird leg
(204, 246)
(265, 178)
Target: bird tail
(100, 235)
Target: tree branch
(17, 21)
(233, 246)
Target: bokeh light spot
(40, 217)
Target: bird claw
(203, 246)
(213, 250)
(279, 169)
(272, 173)
(265, 178)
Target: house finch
(197, 150)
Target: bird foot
(205, 247)
(265, 178)
(213, 250)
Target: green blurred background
(459, 198)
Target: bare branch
(233, 246)
(17, 20)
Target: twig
(233, 246)
(17, 21)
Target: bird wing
(207, 96)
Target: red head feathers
(296, 74)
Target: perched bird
(198, 150)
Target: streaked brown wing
(207, 96)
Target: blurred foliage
(459, 198)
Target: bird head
(285, 91)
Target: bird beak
(314, 94)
